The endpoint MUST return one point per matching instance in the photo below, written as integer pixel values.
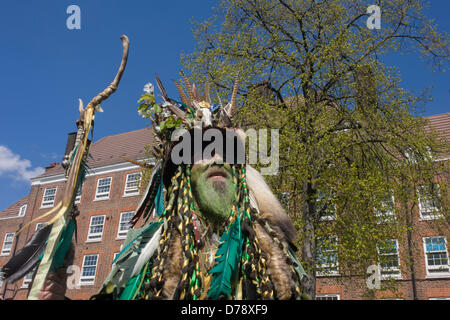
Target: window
(48, 200)
(327, 257)
(325, 207)
(28, 278)
(386, 211)
(7, 244)
(103, 188)
(78, 195)
(22, 210)
(327, 297)
(89, 269)
(1, 277)
(389, 259)
(329, 214)
(39, 225)
(132, 184)
(96, 228)
(436, 256)
(124, 224)
(429, 202)
(414, 156)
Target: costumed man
(213, 229)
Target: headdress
(168, 266)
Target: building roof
(112, 149)
(13, 210)
(441, 122)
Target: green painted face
(213, 189)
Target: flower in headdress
(149, 88)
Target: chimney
(51, 166)
(70, 143)
(71, 139)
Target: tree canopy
(350, 136)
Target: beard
(213, 191)
(220, 187)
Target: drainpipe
(411, 256)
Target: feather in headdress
(147, 202)
(28, 257)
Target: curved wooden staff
(61, 220)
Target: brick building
(106, 202)
(418, 263)
(110, 194)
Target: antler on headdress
(193, 109)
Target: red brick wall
(88, 207)
(349, 288)
(426, 287)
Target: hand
(54, 287)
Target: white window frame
(425, 212)
(122, 234)
(328, 295)
(39, 225)
(330, 217)
(445, 274)
(88, 280)
(392, 272)
(133, 190)
(23, 210)
(96, 236)
(389, 214)
(103, 195)
(78, 194)
(439, 298)
(320, 273)
(331, 207)
(48, 203)
(28, 278)
(7, 251)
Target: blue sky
(46, 67)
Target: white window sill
(86, 284)
(93, 240)
(327, 218)
(4, 254)
(121, 237)
(390, 277)
(47, 207)
(435, 217)
(101, 199)
(321, 275)
(131, 195)
(436, 276)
